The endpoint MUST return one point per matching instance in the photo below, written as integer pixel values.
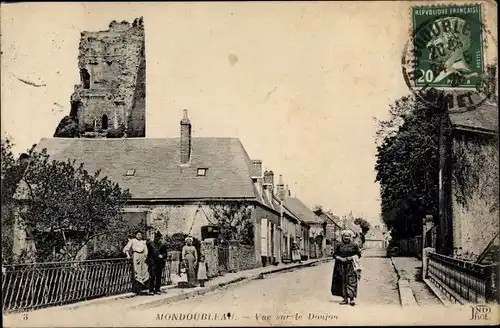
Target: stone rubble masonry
(112, 89)
(209, 250)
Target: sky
(298, 83)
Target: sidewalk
(173, 294)
(413, 290)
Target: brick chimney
(269, 184)
(256, 168)
(269, 177)
(281, 188)
(185, 146)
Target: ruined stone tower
(110, 100)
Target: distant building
(375, 238)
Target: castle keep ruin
(110, 100)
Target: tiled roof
(286, 211)
(330, 219)
(301, 210)
(156, 164)
(485, 117)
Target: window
(202, 172)
(130, 173)
(85, 78)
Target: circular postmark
(443, 63)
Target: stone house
(332, 231)
(177, 184)
(278, 241)
(307, 216)
(468, 181)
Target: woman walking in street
(190, 258)
(139, 265)
(345, 277)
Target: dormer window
(130, 173)
(201, 172)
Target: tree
(407, 165)
(67, 206)
(235, 221)
(11, 172)
(319, 210)
(363, 224)
(68, 128)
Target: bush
(68, 128)
(116, 133)
(104, 254)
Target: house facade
(178, 185)
(468, 181)
(311, 240)
(332, 231)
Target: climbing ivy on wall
(475, 170)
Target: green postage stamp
(447, 46)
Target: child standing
(202, 271)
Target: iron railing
(37, 285)
(462, 280)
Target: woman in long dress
(295, 252)
(345, 277)
(139, 253)
(190, 258)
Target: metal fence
(37, 285)
(464, 281)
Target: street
(289, 292)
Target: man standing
(157, 254)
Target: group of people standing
(149, 258)
(148, 261)
(196, 268)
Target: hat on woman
(188, 238)
(347, 232)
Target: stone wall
(113, 79)
(246, 258)
(209, 250)
(176, 218)
(233, 256)
(475, 216)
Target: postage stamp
(448, 46)
(444, 62)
